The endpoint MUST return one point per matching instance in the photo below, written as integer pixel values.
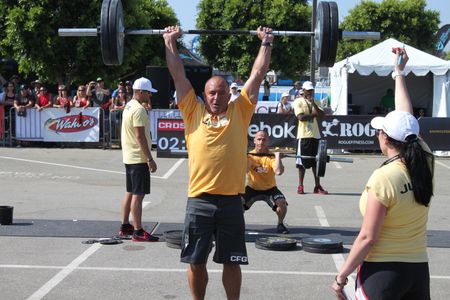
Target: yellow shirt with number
(260, 175)
(305, 129)
(403, 236)
(217, 145)
(134, 115)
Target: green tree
(28, 32)
(405, 20)
(236, 53)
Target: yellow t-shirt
(217, 146)
(305, 129)
(260, 175)
(134, 115)
(403, 234)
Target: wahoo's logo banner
(77, 126)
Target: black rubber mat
(436, 238)
(66, 228)
(100, 229)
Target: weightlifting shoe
(300, 189)
(282, 229)
(143, 236)
(319, 190)
(126, 230)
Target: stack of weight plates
(173, 238)
(322, 244)
(276, 243)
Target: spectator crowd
(19, 95)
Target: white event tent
(360, 81)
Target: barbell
(112, 32)
(322, 158)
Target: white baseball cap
(397, 124)
(284, 95)
(143, 84)
(307, 85)
(234, 85)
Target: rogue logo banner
(352, 132)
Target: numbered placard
(171, 142)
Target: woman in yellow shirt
(390, 249)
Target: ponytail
(420, 169)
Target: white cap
(143, 84)
(234, 85)
(397, 124)
(307, 85)
(284, 95)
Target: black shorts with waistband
(270, 196)
(307, 147)
(218, 217)
(137, 179)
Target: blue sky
(186, 10)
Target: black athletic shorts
(138, 179)
(216, 217)
(269, 196)
(393, 280)
(308, 147)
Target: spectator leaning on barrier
(128, 89)
(62, 100)
(117, 107)
(120, 100)
(23, 101)
(9, 97)
(102, 96)
(116, 91)
(81, 99)
(43, 99)
(37, 84)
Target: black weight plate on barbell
(276, 243)
(116, 41)
(104, 32)
(322, 242)
(334, 33)
(322, 37)
(322, 158)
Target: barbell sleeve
(341, 159)
(78, 31)
(360, 35)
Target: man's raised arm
(174, 63)
(261, 64)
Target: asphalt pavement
(62, 197)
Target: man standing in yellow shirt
(262, 166)
(136, 146)
(308, 135)
(216, 139)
